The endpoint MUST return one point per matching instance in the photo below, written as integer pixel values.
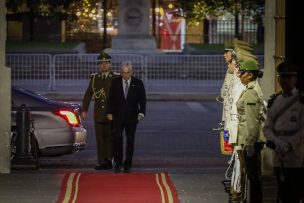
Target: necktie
(103, 76)
(126, 88)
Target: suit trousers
(130, 130)
(104, 141)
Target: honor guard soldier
(98, 88)
(284, 130)
(250, 107)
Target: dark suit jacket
(127, 109)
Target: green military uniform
(99, 88)
(251, 111)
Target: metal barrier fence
(174, 73)
(30, 69)
(75, 69)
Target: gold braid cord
(99, 93)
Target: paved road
(173, 133)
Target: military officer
(228, 77)
(284, 128)
(226, 91)
(250, 106)
(98, 88)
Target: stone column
(5, 98)
(133, 28)
(268, 81)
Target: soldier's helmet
(103, 56)
(287, 68)
(248, 65)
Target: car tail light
(69, 116)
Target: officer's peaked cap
(287, 68)
(229, 46)
(243, 55)
(243, 48)
(103, 56)
(238, 42)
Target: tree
(39, 9)
(198, 10)
(255, 11)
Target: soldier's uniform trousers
(253, 172)
(104, 141)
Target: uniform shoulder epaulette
(272, 98)
(93, 75)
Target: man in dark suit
(99, 88)
(127, 106)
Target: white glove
(281, 146)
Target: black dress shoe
(127, 170)
(98, 167)
(108, 165)
(117, 168)
(104, 166)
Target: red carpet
(117, 188)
